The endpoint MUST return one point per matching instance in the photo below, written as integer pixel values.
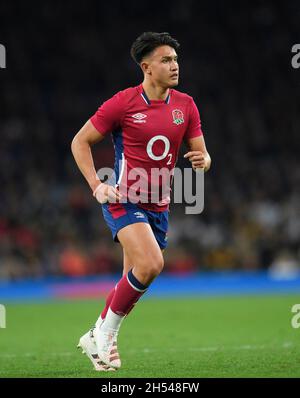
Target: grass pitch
(189, 337)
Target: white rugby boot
(88, 346)
(106, 342)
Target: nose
(174, 65)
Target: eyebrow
(169, 57)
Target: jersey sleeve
(109, 115)
(194, 127)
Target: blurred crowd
(63, 61)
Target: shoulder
(127, 95)
(186, 101)
(181, 97)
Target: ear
(145, 67)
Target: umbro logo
(138, 214)
(139, 118)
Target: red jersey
(147, 135)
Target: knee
(157, 265)
(151, 266)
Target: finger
(116, 192)
(198, 164)
(187, 155)
(198, 169)
(192, 153)
(114, 196)
(196, 157)
(118, 197)
(119, 193)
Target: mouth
(174, 76)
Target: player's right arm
(81, 145)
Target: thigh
(159, 222)
(118, 215)
(128, 263)
(138, 241)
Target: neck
(155, 92)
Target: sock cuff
(134, 283)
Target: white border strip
(144, 98)
(122, 169)
(135, 288)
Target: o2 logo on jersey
(296, 317)
(166, 151)
(177, 116)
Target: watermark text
(296, 317)
(2, 317)
(296, 58)
(2, 56)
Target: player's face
(163, 66)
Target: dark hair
(148, 41)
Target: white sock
(98, 322)
(112, 321)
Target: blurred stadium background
(64, 60)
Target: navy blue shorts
(118, 215)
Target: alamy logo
(177, 116)
(2, 57)
(296, 317)
(2, 317)
(139, 118)
(296, 58)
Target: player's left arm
(198, 154)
